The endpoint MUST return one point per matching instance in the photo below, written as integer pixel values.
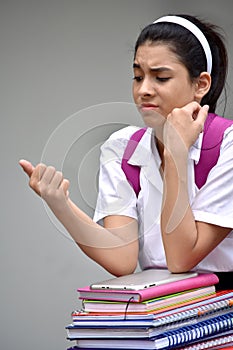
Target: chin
(153, 119)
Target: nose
(146, 88)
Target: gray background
(60, 59)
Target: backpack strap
(214, 129)
(132, 172)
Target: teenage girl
(180, 66)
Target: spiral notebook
(176, 338)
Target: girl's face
(161, 81)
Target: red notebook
(201, 280)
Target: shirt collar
(144, 150)
(195, 149)
(147, 147)
(147, 156)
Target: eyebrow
(153, 69)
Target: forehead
(156, 54)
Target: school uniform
(213, 203)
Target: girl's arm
(186, 241)
(114, 247)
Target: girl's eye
(137, 78)
(162, 80)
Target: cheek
(134, 92)
(179, 98)
(169, 101)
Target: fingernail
(206, 107)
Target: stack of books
(181, 312)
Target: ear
(202, 87)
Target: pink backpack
(213, 134)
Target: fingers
(200, 118)
(52, 178)
(197, 111)
(65, 186)
(186, 124)
(44, 179)
(198, 114)
(36, 177)
(192, 108)
(202, 115)
(47, 174)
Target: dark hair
(190, 52)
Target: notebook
(168, 339)
(176, 299)
(201, 280)
(143, 279)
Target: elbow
(180, 265)
(125, 260)
(178, 269)
(123, 270)
(181, 262)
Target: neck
(158, 132)
(159, 143)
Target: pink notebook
(201, 280)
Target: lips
(147, 106)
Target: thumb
(27, 167)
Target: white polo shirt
(213, 203)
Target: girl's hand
(183, 126)
(47, 182)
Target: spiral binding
(199, 311)
(198, 331)
(225, 340)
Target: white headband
(196, 31)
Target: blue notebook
(183, 336)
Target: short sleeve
(115, 195)
(214, 201)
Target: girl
(180, 66)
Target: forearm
(179, 231)
(114, 249)
(186, 241)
